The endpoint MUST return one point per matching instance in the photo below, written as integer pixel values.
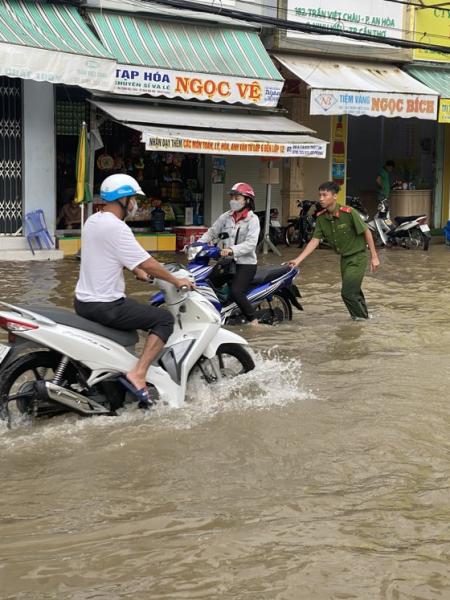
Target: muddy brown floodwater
(323, 474)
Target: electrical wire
(304, 27)
(397, 30)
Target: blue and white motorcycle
(272, 291)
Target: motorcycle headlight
(192, 252)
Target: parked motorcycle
(300, 230)
(355, 202)
(58, 362)
(409, 232)
(276, 231)
(272, 290)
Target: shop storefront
(433, 69)
(356, 93)
(191, 62)
(343, 97)
(183, 155)
(192, 105)
(40, 45)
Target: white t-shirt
(107, 246)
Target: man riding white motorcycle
(107, 246)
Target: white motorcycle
(409, 232)
(57, 362)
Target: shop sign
(444, 110)
(373, 104)
(182, 84)
(437, 21)
(228, 147)
(378, 17)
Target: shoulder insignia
(321, 212)
(346, 209)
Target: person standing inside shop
(344, 230)
(385, 180)
(242, 226)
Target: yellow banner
(432, 26)
(444, 110)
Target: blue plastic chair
(36, 230)
(447, 233)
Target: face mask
(131, 212)
(235, 205)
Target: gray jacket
(243, 236)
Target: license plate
(4, 351)
(424, 228)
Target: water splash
(275, 382)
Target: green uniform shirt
(343, 229)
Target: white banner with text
(224, 146)
(371, 17)
(373, 104)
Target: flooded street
(323, 474)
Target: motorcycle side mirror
(223, 236)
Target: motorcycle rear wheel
(419, 239)
(18, 399)
(279, 308)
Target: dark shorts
(127, 314)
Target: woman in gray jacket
(242, 226)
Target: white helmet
(119, 186)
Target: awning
(184, 60)
(215, 132)
(340, 87)
(438, 79)
(51, 42)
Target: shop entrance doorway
(410, 143)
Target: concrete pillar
(293, 168)
(39, 147)
(213, 195)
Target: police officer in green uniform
(345, 231)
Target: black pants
(127, 314)
(239, 285)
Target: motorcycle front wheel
(307, 227)
(291, 235)
(230, 361)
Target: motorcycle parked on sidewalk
(272, 290)
(409, 232)
(58, 362)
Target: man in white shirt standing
(107, 247)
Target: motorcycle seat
(400, 220)
(66, 317)
(266, 274)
